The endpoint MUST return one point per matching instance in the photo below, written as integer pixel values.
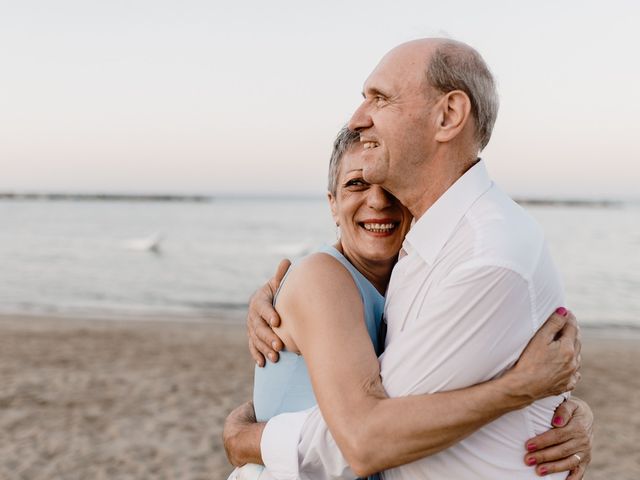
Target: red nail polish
(561, 311)
(531, 461)
(557, 421)
(544, 471)
(531, 447)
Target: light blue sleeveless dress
(286, 386)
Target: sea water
(93, 258)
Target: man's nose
(360, 118)
(379, 198)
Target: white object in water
(150, 243)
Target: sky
(245, 97)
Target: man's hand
(263, 342)
(550, 363)
(567, 446)
(241, 436)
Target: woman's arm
(324, 315)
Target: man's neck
(432, 183)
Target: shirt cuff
(279, 444)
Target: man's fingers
(264, 349)
(257, 324)
(266, 341)
(263, 342)
(264, 333)
(263, 307)
(283, 266)
(266, 310)
(255, 354)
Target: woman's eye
(356, 182)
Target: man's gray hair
(343, 142)
(456, 66)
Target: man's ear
(453, 112)
(333, 206)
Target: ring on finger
(578, 457)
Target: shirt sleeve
(299, 446)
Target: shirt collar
(430, 233)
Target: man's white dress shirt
(475, 285)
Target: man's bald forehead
(427, 46)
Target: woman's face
(372, 222)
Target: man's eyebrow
(374, 92)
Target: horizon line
(206, 198)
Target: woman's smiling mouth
(379, 227)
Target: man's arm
(241, 436)
(374, 432)
(262, 317)
(551, 451)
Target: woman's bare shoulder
(318, 271)
(314, 285)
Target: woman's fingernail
(531, 461)
(274, 344)
(531, 447)
(544, 471)
(561, 311)
(272, 357)
(557, 421)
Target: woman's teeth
(368, 145)
(379, 227)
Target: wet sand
(106, 399)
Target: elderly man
(471, 264)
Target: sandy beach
(106, 399)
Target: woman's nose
(378, 197)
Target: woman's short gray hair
(343, 142)
(456, 66)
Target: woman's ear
(334, 208)
(454, 111)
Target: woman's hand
(567, 446)
(263, 342)
(550, 363)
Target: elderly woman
(338, 359)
